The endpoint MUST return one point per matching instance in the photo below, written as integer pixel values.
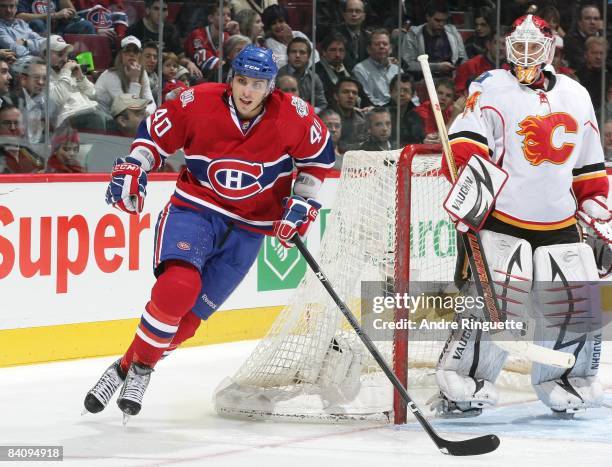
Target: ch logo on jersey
(235, 179)
(100, 18)
(547, 138)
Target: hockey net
(387, 229)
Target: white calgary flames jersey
(547, 141)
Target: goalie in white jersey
(541, 129)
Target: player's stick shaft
(476, 255)
(469, 447)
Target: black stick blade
(469, 447)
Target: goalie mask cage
(387, 226)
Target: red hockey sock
(173, 295)
(186, 330)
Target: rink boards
(75, 274)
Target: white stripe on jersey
(214, 207)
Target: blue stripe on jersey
(325, 158)
(142, 131)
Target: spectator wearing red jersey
(445, 89)
(202, 45)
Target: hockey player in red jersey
(540, 128)
(242, 142)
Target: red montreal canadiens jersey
(242, 171)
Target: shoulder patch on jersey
(482, 77)
(470, 103)
(300, 106)
(187, 97)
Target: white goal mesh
(386, 226)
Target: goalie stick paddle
(478, 262)
(468, 447)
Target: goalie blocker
(473, 194)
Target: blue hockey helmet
(255, 62)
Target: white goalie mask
(529, 47)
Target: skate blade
(459, 414)
(563, 415)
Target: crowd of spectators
(361, 73)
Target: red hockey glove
(298, 217)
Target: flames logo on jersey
(235, 179)
(538, 132)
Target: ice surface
(41, 404)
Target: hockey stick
(478, 262)
(468, 447)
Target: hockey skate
(132, 392)
(99, 396)
(445, 408)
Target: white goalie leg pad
(511, 265)
(470, 361)
(571, 394)
(566, 300)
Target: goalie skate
(445, 408)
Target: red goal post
(405, 174)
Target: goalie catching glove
(297, 218)
(128, 186)
(595, 216)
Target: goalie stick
(478, 262)
(468, 447)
